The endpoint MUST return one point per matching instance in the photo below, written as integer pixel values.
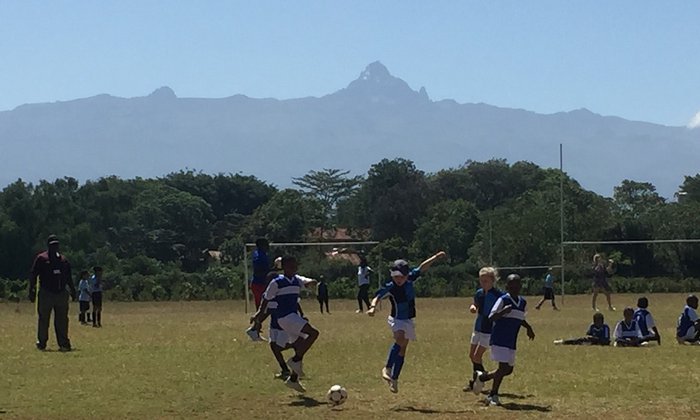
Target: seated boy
(688, 329)
(646, 322)
(598, 334)
(627, 332)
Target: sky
(634, 59)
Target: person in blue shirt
(484, 299)
(548, 290)
(646, 322)
(688, 328)
(507, 315)
(402, 296)
(598, 334)
(284, 290)
(259, 282)
(627, 332)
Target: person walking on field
(52, 271)
(601, 272)
(363, 272)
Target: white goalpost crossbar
(246, 287)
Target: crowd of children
(499, 317)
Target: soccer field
(192, 359)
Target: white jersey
(363, 275)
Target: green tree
(450, 226)
(328, 186)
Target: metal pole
(561, 217)
(490, 243)
(245, 278)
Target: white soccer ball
(337, 395)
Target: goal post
(247, 246)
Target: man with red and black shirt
(54, 273)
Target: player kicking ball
(507, 315)
(284, 290)
(402, 296)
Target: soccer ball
(337, 395)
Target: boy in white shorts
(484, 299)
(285, 289)
(508, 315)
(402, 296)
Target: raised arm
(425, 265)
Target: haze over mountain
(376, 116)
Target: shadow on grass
(515, 396)
(305, 401)
(526, 407)
(411, 409)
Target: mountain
(376, 116)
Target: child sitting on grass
(598, 334)
(646, 322)
(688, 329)
(627, 332)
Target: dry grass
(177, 360)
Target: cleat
(478, 384)
(557, 342)
(386, 374)
(252, 333)
(295, 385)
(296, 366)
(394, 386)
(284, 375)
(468, 387)
(493, 400)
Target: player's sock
(398, 365)
(477, 367)
(296, 358)
(393, 352)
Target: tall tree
(328, 186)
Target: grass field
(182, 360)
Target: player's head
(52, 243)
(596, 258)
(513, 284)
(488, 277)
(363, 261)
(399, 272)
(598, 319)
(289, 265)
(550, 269)
(262, 244)
(628, 313)
(278, 263)
(84, 274)
(642, 302)
(692, 301)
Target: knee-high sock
(398, 365)
(393, 354)
(479, 367)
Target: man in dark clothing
(53, 272)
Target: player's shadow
(526, 407)
(305, 401)
(411, 409)
(515, 396)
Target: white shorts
(503, 355)
(292, 324)
(481, 339)
(405, 325)
(278, 337)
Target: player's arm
(530, 331)
(307, 281)
(258, 316)
(500, 311)
(430, 261)
(381, 294)
(33, 276)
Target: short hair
(512, 277)
(691, 298)
(628, 309)
(288, 259)
(83, 272)
(489, 271)
(598, 315)
(97, 269)
(642, 302)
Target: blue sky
(635, 59)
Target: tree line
(154, 236)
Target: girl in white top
(363, 272)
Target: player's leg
(304, 344)
(595, 298)
(44, 307)
(539, 304)
(360, 300)
(320, 303)
(607, 291)
(476, 355)
(401, 340)
(554, 304)
(504, 369)
(60, 320)
(325, 300)
(277, 352)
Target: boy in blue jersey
(484, 299)
(284, 290)
(627, 332)
(646, 322)
(688, 328)
(507, 315)
(403, 309)
(598, 334)
(548, 290)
